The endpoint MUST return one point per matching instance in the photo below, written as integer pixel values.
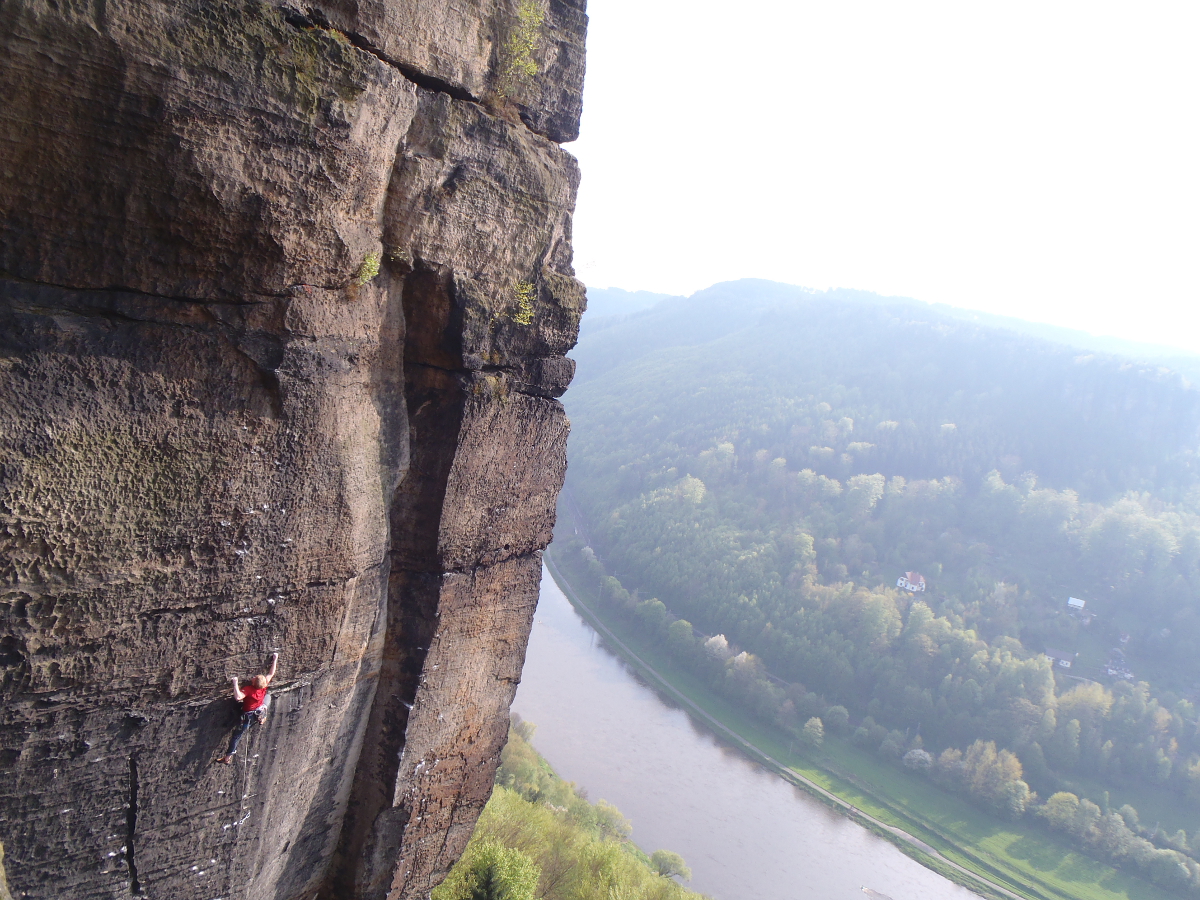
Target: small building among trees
(1061, 658)
(911, 581)
(1077, 608)
(1117, 666)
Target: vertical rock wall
(285, 295)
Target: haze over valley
(956, 544)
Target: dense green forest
(767, 462)
(539, 836)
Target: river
(745, 832)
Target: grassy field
(1020, 856)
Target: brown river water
(745, 832)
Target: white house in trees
(911, 581)
(1061, 658)
(1076, 604)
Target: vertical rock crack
(131, 816)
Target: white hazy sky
(1040, 160)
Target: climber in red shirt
(253, 699)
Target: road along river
(745, 832)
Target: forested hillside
(846, 383)
(768, 462)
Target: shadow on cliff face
(374, 825)
(306, 860)
(211, 728)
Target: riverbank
(938, 830)
(553, 837)
(745, 831)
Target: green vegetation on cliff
(539, 836)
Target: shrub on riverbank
(987, 775)
(540, 837)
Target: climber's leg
(247, 720)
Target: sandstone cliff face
(221, 433)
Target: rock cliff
(285, 297)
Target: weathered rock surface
(4, 893)
(222, 434)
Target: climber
(253, 700)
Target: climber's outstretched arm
(274, 666)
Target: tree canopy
(768, 465)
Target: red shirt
(252, 698)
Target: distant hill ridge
(606, 305)
(923, 393)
